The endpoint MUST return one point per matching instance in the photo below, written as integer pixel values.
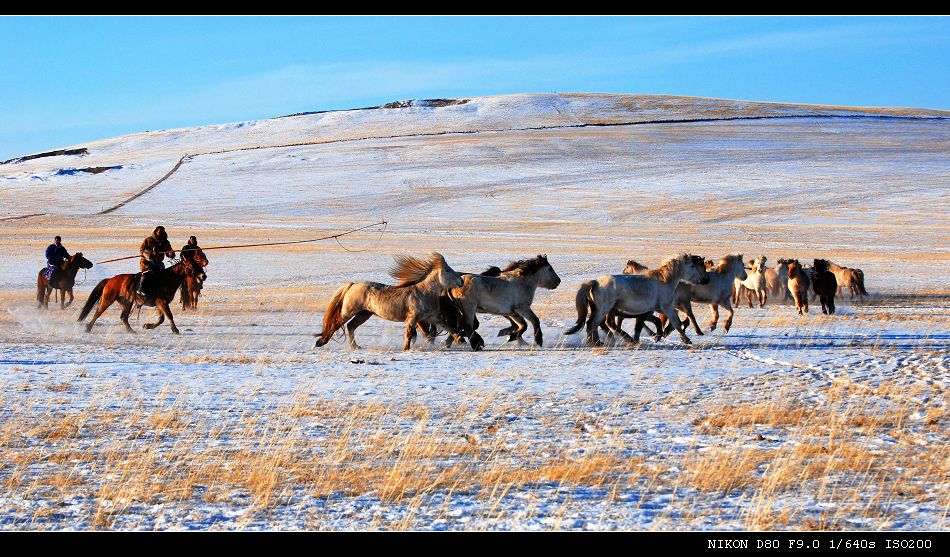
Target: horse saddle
(142, 298)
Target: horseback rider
(153, 250)
(55, 255)
(189, 250)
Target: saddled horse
(717, 291)
(636, 294)
(414, 300)
(509, 294)
(122, 289)
(63, 280)
(853, 279)
(191, 287)
(754, 284)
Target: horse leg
(528, 314)
(728, 324)
(167, 311)
(715, 316)
(161, 318)
(520, 327)
(410, 333)
(749, 293)
(107, 299)
(614, 327)
(510, 329)
(674, 317)
(597, 315)
(352, 324)
(70, 302)
(126, 312)
(688, 308)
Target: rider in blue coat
(55, 255)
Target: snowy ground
(784, 422)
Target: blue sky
(68, 80)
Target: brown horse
(798, 285)
(121, 288)
(63, 280)
(192, 285)
(853, 279)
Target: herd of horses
(431, 297)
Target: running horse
(121, 289)
(63, 280)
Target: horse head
(733, 264)
(78, 260)
(634, 268)
(549, 278)
(695, 269)
(447, 276)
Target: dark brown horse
(825, 285)
(121, 288)
(63, 280)
(192, 285)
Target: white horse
(754, 283)
(510, 294)
(776, 280)
(415, 299)
(718, 290)
(636, 294)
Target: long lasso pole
(336, 237)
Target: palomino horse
(63, 280)
(413, 300)
(636, 294)
(776, 280)
(754, 283)
(121, 288)
(716, 292)
(509, 294)
(191, 287)
(798, 285)
(853, 279)
(825, 285)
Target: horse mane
(492, 271)
(665, 271)
(528, 266)
(412, 270)
(820, 265)
(636, 266)
(725, 261)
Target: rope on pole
(336, 237)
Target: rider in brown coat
(153, 250)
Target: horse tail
(583, 298)
(93, 298)
(40, 287)
(333, 317)
(860, 275)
